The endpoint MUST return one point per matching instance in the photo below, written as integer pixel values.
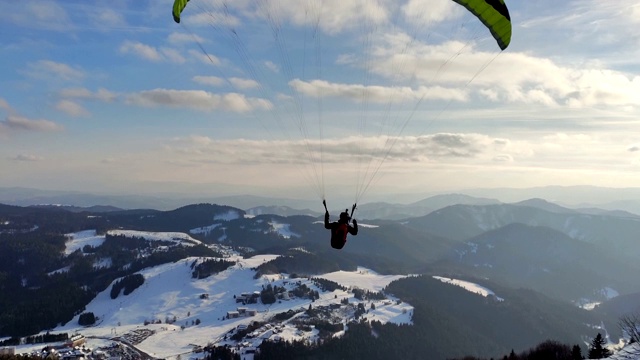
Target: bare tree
(630, 325)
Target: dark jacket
(338, 239)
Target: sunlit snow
(228, 216)
(178, 237)
(362, 278)
(283, 230)
(170, 292)
(204, 229)
(80, 239)
(469, 286)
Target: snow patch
(362, 278)
(157, 236)
(205, 230)
(283, 230)
(228, 216)
(469, 286)
(78, 240)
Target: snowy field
(469, 286)
(170, 293)
(178, 312)
(362, 278)
(76, 241)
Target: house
(75, 340)
(242, 310)
(7, 351)
(232, 314)
(248, 298)
(252, 312)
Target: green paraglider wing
(494, 15)
(178, 6)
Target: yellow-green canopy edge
(178, 6)
(494, 15)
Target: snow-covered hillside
(173, 313)
(176, 311)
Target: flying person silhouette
(340, 229)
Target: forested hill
(449, 322)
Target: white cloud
(17, 123)
(332, 16)
(425, 12)
(46, 15)
(503, 158)
(51, 70)
(197, 99)
(27, 157)
(374, 93)
(141, 50)
(71, 108)
(342, 150)
(449, 152)
(208, 80)
(152, 53)
(584, 25)
(548, 83)
(500, 76)
(173, 55)
(272, 66)
(107, 18)
(243, 83)
(84, 93)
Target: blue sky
(355, 98)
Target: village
(311, 319)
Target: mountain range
(557, 261)
(393, 206)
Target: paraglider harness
(339, 234)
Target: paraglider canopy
(376, 65)
(178, 6)
(493, 14)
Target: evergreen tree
(597, 350)
(576, 353)
(86, 319)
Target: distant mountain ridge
(281, 211)
(546, 260)
(92, 209)
(461, 222)
(591, 197)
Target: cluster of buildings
(248, 297)
(72, 349)
(7, 351)
(241, 312)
